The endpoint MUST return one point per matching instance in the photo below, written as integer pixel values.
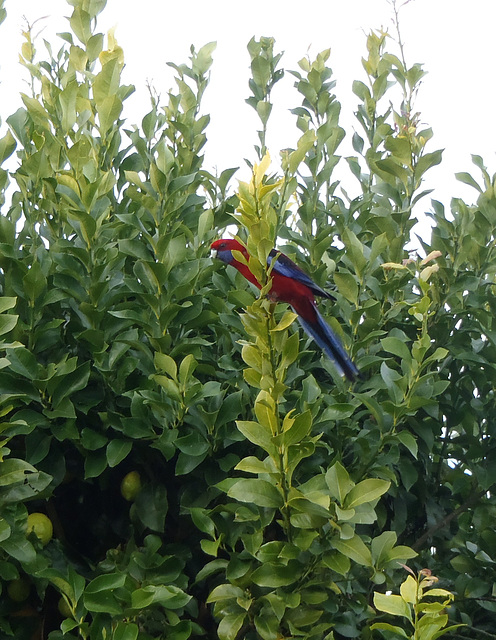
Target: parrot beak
(213, 253)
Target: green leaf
(67, 100)
(95, 464)
(257, 434)
(382, 545)
(4, 530)
(355, 549)
(337, 562)
(290, 351)
(125, 631)
(392, 604)
(179, 184)
(286, 321)
(7, 146)
(400, 553)
(408, 440)
(78, 58)
(186, 368)
(389, 169)
(251, 464)
(72, 382)
(18, 122)
(400, 148)
(192, 444)
(36, 111)
(225, 592)
(354, 250)
(294, 429)
(466, 178)
(429, 626)
(202, 521)
(256, 491)
(81, 24)
(215, 566)
(264, 110)
(446, 630)
(439, 593)
(68, 625)
(267, 626)
(252, 356)
(186, 463)
(409, 590)
(109, 111)
(205, 223)
(168, 596)
(106, 84)
(384, 626)
(361, 90)
(92, 439)
(20, 548)
(14, 470)
(347, 286)
(7, 303)
(260, 68)
(439, 354)
(338, 481)
(274, 576)
(202, 61)
(427, 161)
(117, 450)
(210, 547)
(23, 363)
(106, 582)
(7, 323)
(305, 143)
(230, 625)
(94, 46)
(58, 579)
(366, 491)
(397, 347)
(151, 506)
(99, 595)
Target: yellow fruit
(42, 527)
(19, 589)
(131, 485)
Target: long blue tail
(328, 341)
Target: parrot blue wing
(284, 266)
(328, 341)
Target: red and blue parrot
(292, 285)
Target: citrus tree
(177, 459)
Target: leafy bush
(204, 469)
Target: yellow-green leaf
(392, 604)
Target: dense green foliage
(205, 470)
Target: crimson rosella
(292, 285)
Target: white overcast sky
(453, 39)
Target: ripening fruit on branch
(19, 589)
(42, 527)
(131, 486)
(64, 608)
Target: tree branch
(465, 506)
